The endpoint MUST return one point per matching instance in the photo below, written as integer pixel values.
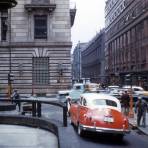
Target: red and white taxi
(99, 113)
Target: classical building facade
(76, 61)
(35, 44)
(93, 59)
(126, 47)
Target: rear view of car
(99, 113)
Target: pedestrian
(125, 100)
(15, 96)
(141, 108)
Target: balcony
(38, 5)
(6, 4)
(72, 12)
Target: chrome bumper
(104, 130)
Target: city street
(70, 139)
(65, 62)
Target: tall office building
(92, 57)
(126, 47)
(77, 62)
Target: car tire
(120, 137)
(80, 131)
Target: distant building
(35, 44)
(93, 59)
(126, 47)
(76, 61)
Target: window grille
(40, 70)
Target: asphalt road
(132, 140)
(70, 139)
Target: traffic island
(31, 122)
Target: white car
(137, 90)
(62, 95)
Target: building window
(40, 70)
(40, 26)
(4, 28)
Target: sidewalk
(133, 123)
(14, 136)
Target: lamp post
(131, 112)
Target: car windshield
(75, 94)
(77, 87)
(97, 102)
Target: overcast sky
(88, 21)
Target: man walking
(15, 96)
(141, 108)
(125, 99)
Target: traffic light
(10, 77)
(128, 78)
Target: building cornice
(35, 44)
(31, 7)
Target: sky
(89, 20)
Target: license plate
(108, 119)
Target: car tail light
(125, 123)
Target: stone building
(35, 44)
(126, 47)
(92, 57)
(76, 61)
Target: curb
(133, 126)
(139, 128)
(31, 122)
(143, 131)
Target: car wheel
(80, 131)
(120, 137)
